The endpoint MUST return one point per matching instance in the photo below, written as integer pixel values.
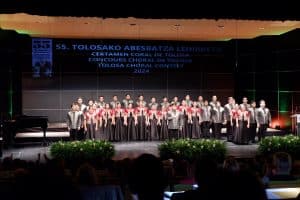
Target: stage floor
(123, 150)
(28, 144)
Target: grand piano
(12, 127)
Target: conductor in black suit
(263, 118)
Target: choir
(127, 120)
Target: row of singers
(141, 123)
(140, 101)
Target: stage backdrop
(62, 70)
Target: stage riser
(39, 140)
(64, 134)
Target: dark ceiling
(183, 9)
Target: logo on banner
(42, 59)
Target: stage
(28, 144)
(123, 150)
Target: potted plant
(277, 145)
(190, 150)
(88, 150)
(289, 144)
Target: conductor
(173, 122)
